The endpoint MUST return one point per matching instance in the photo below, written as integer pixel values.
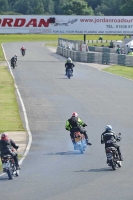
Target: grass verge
(123, 71)
(9, 113)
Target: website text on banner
(62, 24)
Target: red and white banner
(66, 24)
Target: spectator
(101, 37)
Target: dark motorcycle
(13, 64)
(69, 73)
(23, 52)
(112, 155)
(9, 166)
(79, 142)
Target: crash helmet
(69, 60)
(108, 128)
(74, 114)
(4, 136)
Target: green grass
(121, 71)
(9, 112)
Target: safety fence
(96, 57)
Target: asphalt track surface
(52, 170)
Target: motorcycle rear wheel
(81, 150)
(9, 173)
(113, 165)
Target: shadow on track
(4, 179)
(65, 153)
(96, 170)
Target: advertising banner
(66, 24)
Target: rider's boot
(87, 142)
(121, 158)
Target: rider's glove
(84, 125)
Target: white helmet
(108, 128)
(74, 114)
(69, 60)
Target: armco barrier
(97, 57)
(102, 49)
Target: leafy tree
(11, 4)
(126, 7)
(21, 6)
(108, 8)
(3, 5)
(94, 3)
(77, 7)
(48, 6)
(58, 4)
(29, 7)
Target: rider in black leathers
(69, 65)
(13, 59)
(109, 138)
(6, 145)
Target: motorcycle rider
(69, 65)
(14, 59)
(75, 124)
(109, 138)
(23, 49)
(6, 147)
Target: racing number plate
(5, 165)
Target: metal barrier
(96, 57)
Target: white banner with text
(66, 24)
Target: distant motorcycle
(13, 64)
(69, 73)
(112, 155)
(79, 142)
(9, 166)
(23, 52)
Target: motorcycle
(69, 73)
(79, 142)
(112, 155)
(9, 166)
(13, 64)
(23, 52)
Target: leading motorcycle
(79, 142)
(112, 155)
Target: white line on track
(24, 112)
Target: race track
(53, 170)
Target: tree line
(67, 7)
